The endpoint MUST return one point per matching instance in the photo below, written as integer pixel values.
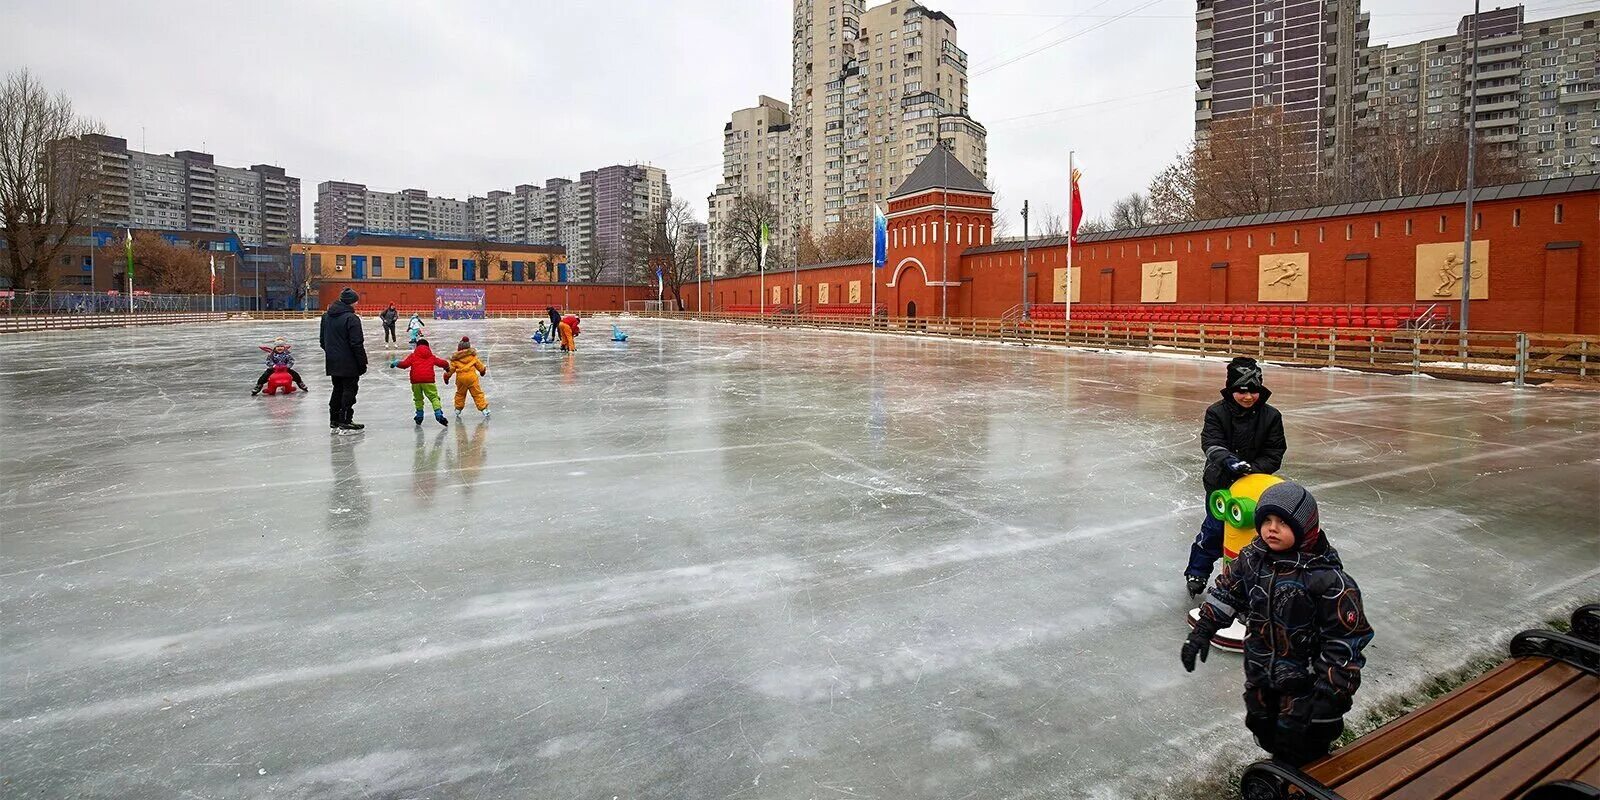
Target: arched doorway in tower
(913, 297)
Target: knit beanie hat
(1293, 504)
(348, 296)
(1244, 374)
(465, 343)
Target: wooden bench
(1530, 728)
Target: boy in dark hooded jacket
(1242, 435)
(1304, 628)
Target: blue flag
(880, 238)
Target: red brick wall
(1525, 275)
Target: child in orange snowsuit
(465, 367)
(569, 332)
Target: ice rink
(716, 561)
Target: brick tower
(940, 210)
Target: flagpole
(1072, 233)
(213, 283)
(699, 294)
(129, 270)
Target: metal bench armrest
(1268, 780)
(1563, 790)
(1586, 623)
(1580, 653)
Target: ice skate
(418, 417)
(255, 391)
(438, 417)
(458, 415)
(486, 415)
(1196, 585)
(352, 427)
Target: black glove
(1194, 646)
(1238, 467)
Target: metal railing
(58, 302)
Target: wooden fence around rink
(1490, 356)
(1497, 357)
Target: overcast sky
(464, 97)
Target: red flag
(1075, 216)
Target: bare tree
(1001, 225)
(1132, 211)
(665, 241)
(1053, 223)
(48, 178)
(484, 258)
(742, 235)
(1093, 225)
(847, 240)
(1395, 160)
(809, 252)
(1255, 162)
(1171, 191)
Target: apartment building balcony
(1501, 105)
(1204, 52)
(1205, 36)
(1510, 120)
(1500, 138)
(1513, 54)
(1202, 114)
(1579, 93)
(1203, 93)
(1204, 13)
(1202, 75)
(1499, 72)
(1501, 41)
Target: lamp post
(1024, 259)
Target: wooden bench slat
(1406, 731)
(1444, 779)
(1441, 743)
(1538, 761)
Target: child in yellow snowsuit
(465, 367)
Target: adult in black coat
(344, 347)
(389, 316)
(1242, 434)
(555, 319)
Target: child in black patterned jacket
(1304, 628)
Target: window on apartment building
(455, 264)
(338, 263)
(1560, 214)
(1267, 58)
(1268, 37)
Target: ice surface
(714, 561)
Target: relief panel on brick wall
(777, 295)
(822, 294)
(1283, 278)
(1439, 271)
(855, 291)
(1159, 282)
(1060, 283)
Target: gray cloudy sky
(460, 98)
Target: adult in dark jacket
(1305, 628)
(555, 319)
(389, 316)
(346, 353)
(1242, 435)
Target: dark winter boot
(1196, 585)
(438, 416)
(418, 417)
(352, 427)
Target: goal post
(641, 306)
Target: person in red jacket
(421, 362)
(569, 332)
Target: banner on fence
(458, 303)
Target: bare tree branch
(48, 178)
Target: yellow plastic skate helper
(1235, 506)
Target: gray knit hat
(1292, 503)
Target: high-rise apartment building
(1303, 57)
(873, 90)
(592, 217)
(188, 190)
(756, 163)
(1538, 94)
